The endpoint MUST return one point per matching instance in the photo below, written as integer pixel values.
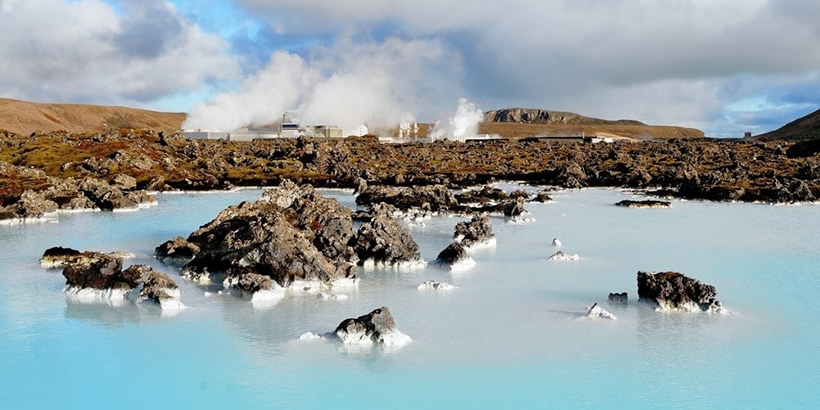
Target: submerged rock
(649, 203)
(675, 291)
(377, 326)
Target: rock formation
(383, 240)
(431, 198)
(177, 250)
(97, 277)
(476, 232)
(290, 234)
(675, 291)
(377, 326)
(619, 298)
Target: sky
(725, 67)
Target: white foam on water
(463, 265)
(113, 297)
(597, 312)
(563, 257)
(371, 264)
(394, 339)
(433, 285)
(329, 296)
(481, 246)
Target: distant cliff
(538, 116)
(525, 122)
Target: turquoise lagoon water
(509, 336)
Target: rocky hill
(524, 122)
(803, 128)
(24, 118)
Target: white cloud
(84, 51)
(635, 54)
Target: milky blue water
(509, 336)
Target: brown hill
(524, 122)
(24, 118)
(803, 128)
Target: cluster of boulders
(100, 277)
(436, 199)
(292, 234)
(69, 194)
(468, 236)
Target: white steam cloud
(346, 85)
(462, 125)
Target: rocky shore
(113, 169)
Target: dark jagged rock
(454, 253)
(102, 274)
(512, 208)
(383, 240)
(377, 326)
(649, 203)
(675, 291)
(485, 195)
(177, 250)
(429, 198)
(103, 279)
(290, 234)
(156, 287)
(250, 282)
(572, 175)
(475, 231)
(619, 298)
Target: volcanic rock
(156, 287)
(276, 236)
(377, 326)
(102, 273)
(428, 198)
(384, 240)
(290, 234)
(675, 291)
(475, 232)
(619, 298)
(177, 250)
